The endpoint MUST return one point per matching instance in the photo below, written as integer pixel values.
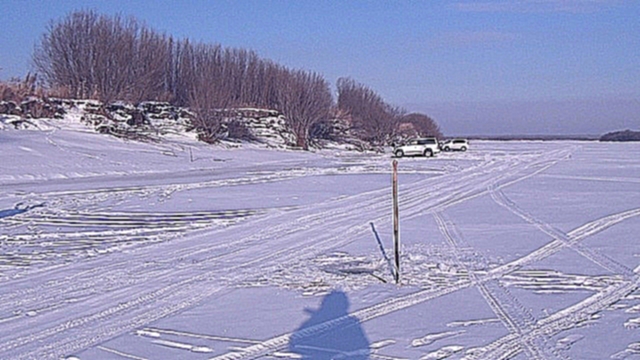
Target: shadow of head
(330, 332)
(335, 304)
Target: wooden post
(396, 223)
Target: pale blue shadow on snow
(330, 333)
(392, 268)
(11, 212)
(18, 209)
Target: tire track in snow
(594, 256)
(100, 233)
(245, 176)
(127, 220)
(579, 234)
(415, 201)
(570, 316)
(507, 308)
(322, 216)
(510, 345)
(184, 297)
(414, 299)
(72, 196)
(512, 170)
(574, 237)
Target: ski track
(67, 320)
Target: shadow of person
(330, 333)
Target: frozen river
(176, 250)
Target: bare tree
(106, 58)
(422, 125)
(305, 99)
(253, 89)
(150, 67)
(207, 97)
(372, 119)
(112, 58)
(65, 53)
(113, 44)
(184, 72)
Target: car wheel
(399, 153)
(428, 153)
(464, 148)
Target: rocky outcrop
(149, 120)
(32, 108)
(152, 121)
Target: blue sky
(487, 67)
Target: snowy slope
(178, 250)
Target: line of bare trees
(108, 58)
(372, 119)
(376, 121)
(87, 55)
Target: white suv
(426, 146)
(455, 144)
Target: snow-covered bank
(147, 121)
(177, 249)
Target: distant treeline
(626, 135)
(535, 137)
(88, 55)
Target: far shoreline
(531, 137)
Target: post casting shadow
(330, 333)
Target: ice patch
(183, 346)
(633, 323)
(380, 344)
(286, 355)
(431, 338)
(442, 353)
(472, 322)
(566, 342)
(148, 333)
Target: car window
(426, 141)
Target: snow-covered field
(178, 250)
